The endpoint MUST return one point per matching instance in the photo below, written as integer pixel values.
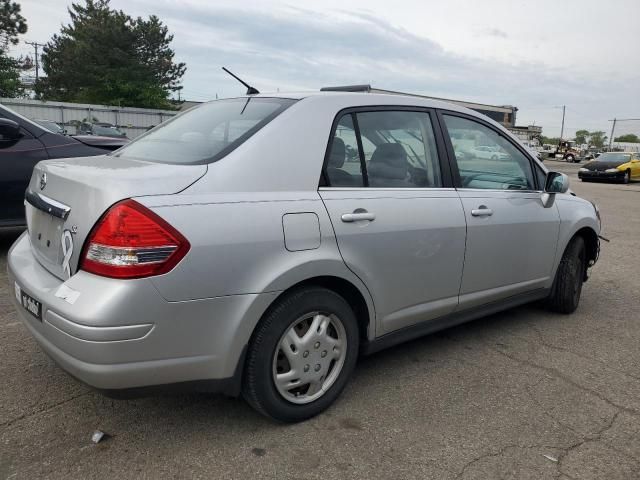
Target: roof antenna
(250, 89)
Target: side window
(402, 150)
(486, 159)
(343, 165)
(398, 147)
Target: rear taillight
(130, 241)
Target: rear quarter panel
(238, 245)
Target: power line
(35, 46)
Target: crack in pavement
(545, 343)
(501, 452)
(591, 438)
(8, 423)
(556, 373)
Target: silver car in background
(260, 244)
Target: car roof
(357, 97)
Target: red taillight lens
(130, 241)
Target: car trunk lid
(65, 199)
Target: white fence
(132, 121)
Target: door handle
(481, 211)
(355, 217)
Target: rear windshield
(206, 133)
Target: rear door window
(384, 149)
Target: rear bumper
(594, 175)
(121, 334)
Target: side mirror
(556, 182)
(9, 130)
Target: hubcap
(309, 357)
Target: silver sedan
(259, 245)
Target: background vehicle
(53, 127)
(567, 151)
(487, 153)
(619, 166)
(254, 258)
(23, 143)
(101, 129)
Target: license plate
(30, 304)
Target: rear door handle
(481, 211)
(355, 217)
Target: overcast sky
(534, 55)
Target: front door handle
(356, 217)
(482, 211)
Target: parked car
(488, 153)
(619, 166)
(100, 128)
(51, 126)
(266, 264)
(23, 143)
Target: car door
(635, 166)
(511, 236)
(17, 159)
(399, 223)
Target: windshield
(206, 133)
(619, 157)
(51, 126)
(21, 117)
(106, 131)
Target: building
(529, 135)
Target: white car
(488, 153)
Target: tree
(10, 83)
(105, 56)
(582, 136)
(630, 137)
(549, 140)
(12, 23)
(597, 139)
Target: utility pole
(613, 127)
(562, 128)
(35, 46)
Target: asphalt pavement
(524, 394)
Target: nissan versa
(258, 245)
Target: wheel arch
(354, 296)
(592, 245)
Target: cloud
(297, 49)
(288, 47)
(495, 32)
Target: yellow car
(621, 166)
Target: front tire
(567, 286)
(301, 355)
(570, 158)
(627, 177)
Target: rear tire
(567, 286)
(570, 158)
(267, 360)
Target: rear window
(206, 133)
